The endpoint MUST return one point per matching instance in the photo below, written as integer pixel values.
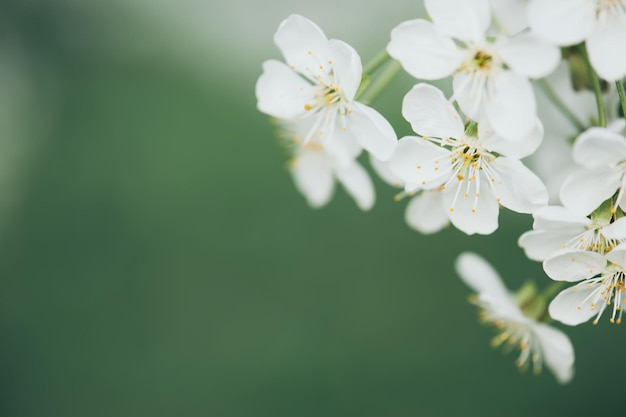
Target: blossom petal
(347, 67)
(615, 230)
(413, 152)
(343, 146)
(430, 114)
(598, 147)
(480, 276)
(471, 211)
(517, 150)
(529, 56)
(584, 190)
(574, 265)
(538, 245)
(313, 176)
(563, 22)
(466, 20)
(372, 131)
(618, 255)
(572, 305)
(511, 15)
(517, 187)
(603, 44)
(384, 171)
(303, 45)
(559, 218)
(422, 51)
(425, 213)
(358, 184)
(282, 93)
(557, 350)
(511, 107)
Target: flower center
(480, 59)
(329, 102)
(325, 96)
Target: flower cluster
(516, 68)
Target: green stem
(595, 82)
(622, 95)
(559, 104)
(377, 86)
(375, 63)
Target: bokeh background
(157, 259)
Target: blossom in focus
(475, 169)
(426, 211)
(316, 166)
(555, 228)
(539, 344)
(602, 154)
(319, 82)
(490, 72)
(601, 24)
(601, 285)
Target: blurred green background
(157, 259)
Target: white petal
(469, 91)
(384, 171)
(563, 22)
(343, 146)
(529, 56)
(598, 147)
(423, 52)
(584, 190)
(347, 67)
(518, 188)
(512, 15)
(618, 255)
(480, 276)
(358, 184)
(616, 230)
(510, 106)
(430, 114)
(425, 213)
(538, 245)
(282, 93)
(466, 20)
(518, 149)
(372, 131)
(413, 152)
(574, 265)
(572, 305)
(603, 46)
(559, 218)
(304, 45)
(313, 175)
(470, 211)
(557, 350)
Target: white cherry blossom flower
(490, 75)
(426, 211)
(475, 172)
(316, 166)
(539, 343)
(601, 24)
(602, 285)
(555, 228)
(602, 154)
(320, 81)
